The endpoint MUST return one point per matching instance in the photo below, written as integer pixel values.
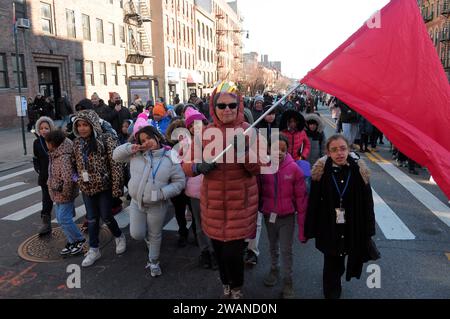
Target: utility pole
(18, 80)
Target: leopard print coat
(104, 172)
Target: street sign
(21, 105)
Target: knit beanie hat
(192, 115)
(159, 109)
(259, 98)
(140, 123)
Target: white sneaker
(121, 244)
(155, 269)
(91, 257)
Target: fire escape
(445, 37)
(137, 16)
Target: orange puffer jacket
(229, 194)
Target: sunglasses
(223, 106)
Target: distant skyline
(302, 33)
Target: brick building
(74, 46)
(436, 14)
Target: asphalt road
(413, 240)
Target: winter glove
(205, 168)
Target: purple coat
(284, 193)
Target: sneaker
(205, 259)
(272, 277)
(236, 293)
(66, 250)
(91, 257)
(155, 269)
(121, 244)
(226, 291)
(77, 247)
(251, 258)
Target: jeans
(148, 224)
(254, 243)
(64, 215)
(99, 205)
(204, 243)
(230, 258)
(47, 204)
(281, 237)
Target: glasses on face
(223, 106)
(338, 149)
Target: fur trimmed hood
(319, 169)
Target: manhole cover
(46, 249)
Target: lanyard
(154, 172)
(44, 147)
(341, 195)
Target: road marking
(372, 158)
(173, 225)
(390, 224)
(24, 213)
(13, 185)
(20, 195)
(4, 178)
(379, 157)
(430, 201)
(448, 256)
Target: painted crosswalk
(25, 198)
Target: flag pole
(259, 120)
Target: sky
(302, 33)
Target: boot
(46, 227)
(288, 289)
(272, 277)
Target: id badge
(340, 216)
(273, 218)
(85, 176)
(154, 196)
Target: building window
(111, 1)
(70, 20)
(79, 74)
(102, 72)
(110, 34)
(114, 74)
(89, 69)
(122, 33)
(141, 70)
(23, 78)
(100, 37)
(132, 70)
(3, 72)
(21, 9)
(86, 21)
(46, 18)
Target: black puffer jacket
(40, 152)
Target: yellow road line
(372, 158)
(448, 256)
(379, 157)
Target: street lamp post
(18, 80)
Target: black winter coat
(40, 160)
(320, 220)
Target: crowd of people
(108, 152)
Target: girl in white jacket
(155, 178)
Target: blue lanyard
(341, 195)
(154, 172)
(43, 147)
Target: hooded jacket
(40, 152)
(150, 172)
(229, 194)
(104, 172)
(61, 184)
(317, 138)
(298, 140)
(284, 193)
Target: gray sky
(301, 33)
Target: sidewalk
(11, 148)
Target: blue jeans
(100, 205)
(64, 215)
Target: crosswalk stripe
(20, 195)
(13, 185)
(24, 213)
(4, 178)
(430, 201)
(390, 224)
(173, 225)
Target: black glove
(205, 168)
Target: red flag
(392, 76)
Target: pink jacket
(284, 193)
(194, 186)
